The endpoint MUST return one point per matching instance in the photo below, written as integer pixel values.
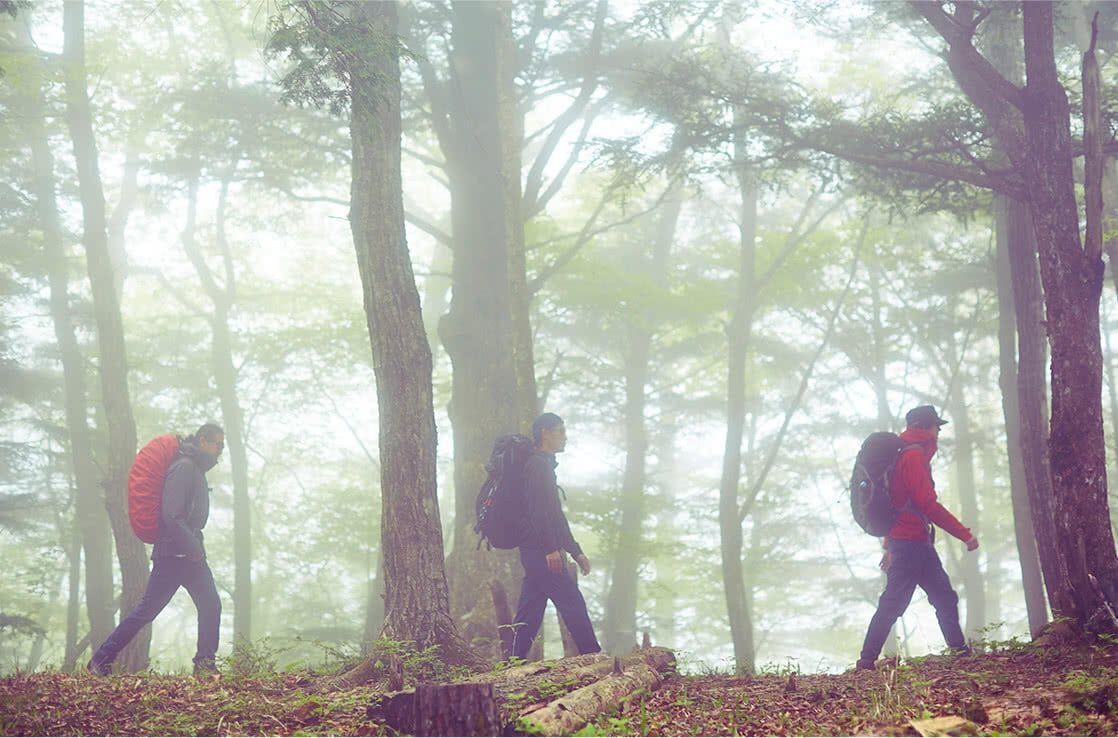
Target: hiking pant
(913, 564)
(541, 585)
(167, 575)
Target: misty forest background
(725, 241)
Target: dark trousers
(913, 564)
(167, 575)
(541, 585)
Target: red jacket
(912, 480)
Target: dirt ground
(1018, 690)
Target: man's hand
(555, 562)
(583, 564)
(972, 543)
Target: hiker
(178, 555)
(910, 557)
(547, 541)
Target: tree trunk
(89, 504)
(455, 709)
(1024, 389)
(222, 295)
(1032, 126)
(672, 489)
(113, 366)
(417, 607)
(621, 601)
(1025, 536)
(1072, 277)
(973, 590)
(1032, 394)
(729, 523)
(374, 602)
(485, 332)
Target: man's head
(549, 433)
(924, 416)
(210, 440)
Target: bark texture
(417, 604)
(1072, 275)
(1032, 126)
(1008, 378)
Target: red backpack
(145, 485)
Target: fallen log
(574, 711)
(527, 692)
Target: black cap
(923, 416)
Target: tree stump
(455, 709)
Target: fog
(676, 221)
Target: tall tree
(94, 536)
(222, 293)
(475, 116)
(113, 363)
(359, 41)
(1033, 126)
(417, 604)
(1022, 355)
(620, 627)
(477, 112)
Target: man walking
(910, 557)
(178, 554)
(547, 541)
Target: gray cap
(923, 416)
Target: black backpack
(500, 509)
(869, 484)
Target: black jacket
(548, 529)
(185, 508)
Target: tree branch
(1005, 185)
(534, 180)
(794, 406)
(959, 37)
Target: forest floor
(1011, 690)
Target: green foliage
(524, 726)
(327, 45)
(251, 658)
(419, 665)
(181, 92)
(789, 667)
(609, 726)
(984, 642)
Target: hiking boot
(865, 665)
(98, 668)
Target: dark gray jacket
(185, 508)
(548, 529)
